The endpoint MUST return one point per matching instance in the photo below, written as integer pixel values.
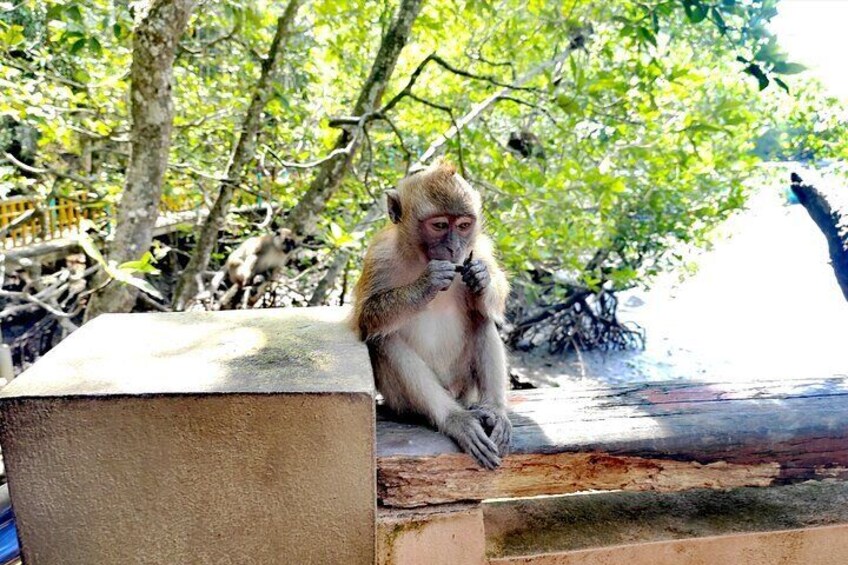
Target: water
(763, 305)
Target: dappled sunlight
(176, 357)
(141, 354)
(195, 352)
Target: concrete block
(215, 437)
(823, 546)
(799, 523)
(450, 534)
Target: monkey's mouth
(441, 255)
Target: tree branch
(85, 181)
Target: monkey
(254, 256)
(427, 304)
(526, 144)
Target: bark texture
(244, 152)
(830, 213)
(303, 217)
(663, 436)
(154, 45)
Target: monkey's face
(447, 237)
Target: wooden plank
(662, 436)
(45, 251)
(17, 208)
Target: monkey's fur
(257, 255)
(431, 334)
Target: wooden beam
(661, 437)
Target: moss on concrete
(605, 519)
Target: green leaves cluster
(645, 131)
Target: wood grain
(663, 436)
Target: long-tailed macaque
(431, 334)
(256, 255)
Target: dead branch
(21, 219)
(85, 181)
(830, 213)
(27, 297)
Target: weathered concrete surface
(822, 546)
(450, 534)
(248, 351)
(233, 437)
(600, 524)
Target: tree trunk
(187, 287)
(303, 217)
(337, 265)
(154, 44)
(830, 213)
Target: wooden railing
(59, 218)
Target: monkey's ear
(393, 203)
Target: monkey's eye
(464, 225)
(439, 224)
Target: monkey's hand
(466, 429)
(496, 424)
(437, 276)
(475, 275)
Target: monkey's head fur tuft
(437, 212)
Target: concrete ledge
(224, 437)
(822, 546)
(687, 528)
(450, 534)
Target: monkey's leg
(490, 371)
(409, 385)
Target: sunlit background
(813, 33)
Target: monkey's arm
(409, 385)
(491, 374)
(383, 310)
(486, 282)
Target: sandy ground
(763, 305)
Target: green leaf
(80, 75)
(785, 68)
(695, 11)
(781, 84)
(94, 46)
(143, 265)
(73, 12)
(78, 45)
(140, 284)
(648, 36)
(567, 103)
(88, 245)
(55, 12)
(14, 36)
(757, 72)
